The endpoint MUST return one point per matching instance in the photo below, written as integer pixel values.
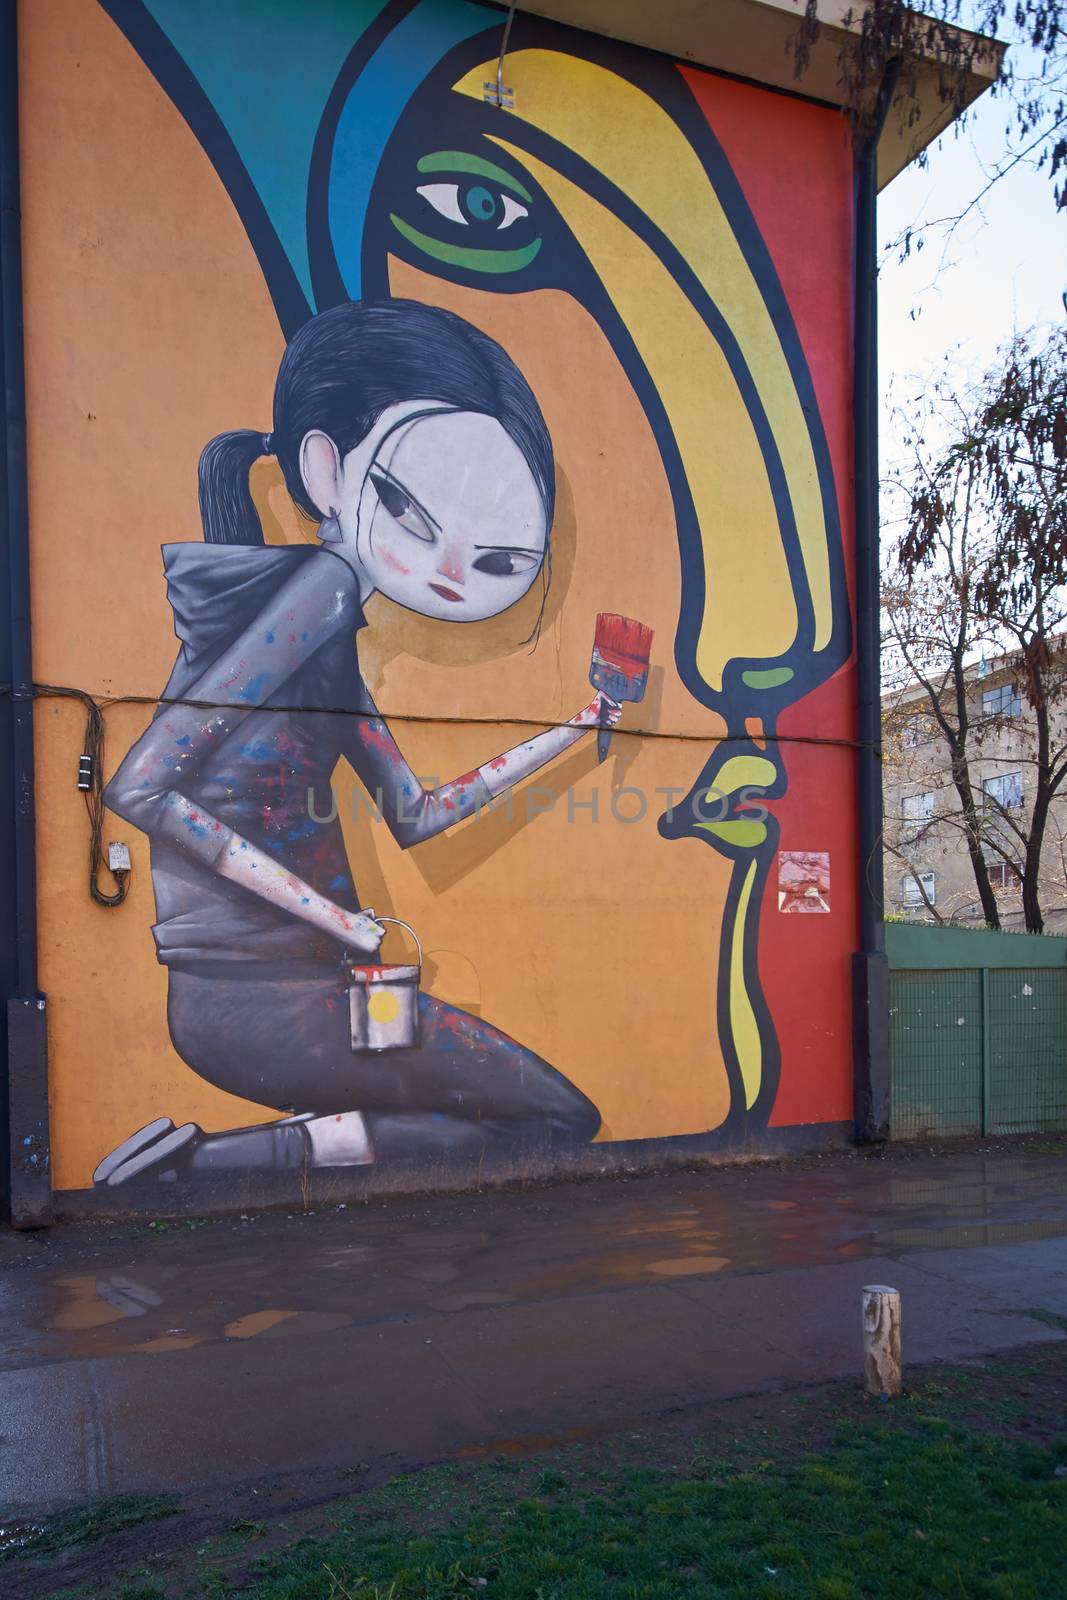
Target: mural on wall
(418, 448)
(381, 190)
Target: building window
(917, 807)
(1003, 701)
(1000, 875)
(914, 733)
(912, 895)
(1004, 791)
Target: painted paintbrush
(619, 667)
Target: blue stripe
(370, 113)
(267, 68)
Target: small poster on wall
(803, 880)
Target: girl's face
(444, 516)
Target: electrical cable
(91, 783)
(91, 761)
(159, 701)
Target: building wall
(615, 960)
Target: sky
(1004, 269)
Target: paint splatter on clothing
(278, 704)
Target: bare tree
(931, 630)
(886, 40)
(978, 569)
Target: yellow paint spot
(383, 1006)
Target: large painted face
(444, 516)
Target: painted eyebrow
(519, 549)
(459, 161)
(383, 472)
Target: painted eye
(400, 508)
(473, 203)
(505, 563)
(470, 213)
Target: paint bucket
(384, 1002)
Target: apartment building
(928, 871)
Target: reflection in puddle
(342, 1254)
(465, 1302)
(687, 1266)
(432, 1238)
(166, 1343)
(967, 1238)
(255, 1323)
(286, 1324)
(95, 1301)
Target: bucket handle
(398, 923)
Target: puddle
(166, 1343)
(286, 1324)
(688, 1266)
(255, 1323)
(433, 1272)
(466, 1302)
(94, 1302)
(969, 1238)
(434, 1238)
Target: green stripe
(744, 832)
(458, 255)
(459, 161)
(773, 678)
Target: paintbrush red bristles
(623, 640)
(621, 651)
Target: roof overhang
(751, 38)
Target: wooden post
(881, 1340)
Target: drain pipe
(870, 968)
(25, 1175)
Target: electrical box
(118, 857)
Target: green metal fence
(978, 1031)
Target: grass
(951, 1491)
(84, 1525)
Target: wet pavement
(200, 1355)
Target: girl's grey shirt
(265, 697)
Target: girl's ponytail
(227, 511)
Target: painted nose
(451, 567)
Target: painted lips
(446, 594)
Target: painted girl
(417, 445)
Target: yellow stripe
(749, 608)
(635, 144)
(743, 1026)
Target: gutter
(25, 1167)
(870, 969)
